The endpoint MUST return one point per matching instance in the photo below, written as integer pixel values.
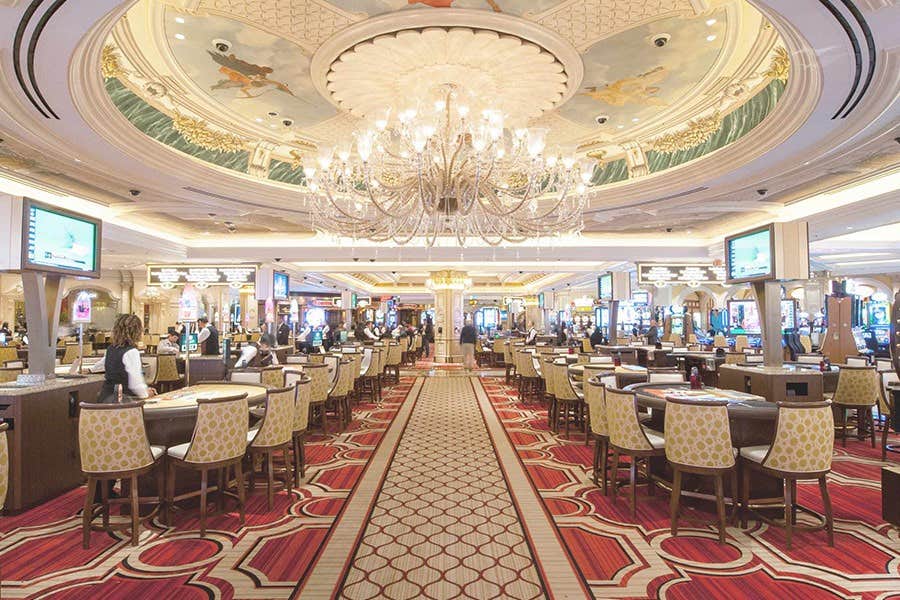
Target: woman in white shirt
(124, 373)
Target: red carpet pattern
(444, 525)
(41, 554)
(621, 558)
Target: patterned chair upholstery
(8, 374)
(856, 361)
(4, 464)
(665, 376)
(527, 378)
(71, 353)
(272, 377)
(167, 376)
(8, 353)
(734, 358)
(320, 385)
(275, 433)
(698, 441)
(857, 389)
(369, 380)
(301, 425)
(595, 398)
(802, 450)
(569, 401)
(719, 341)
(393, 361)
(806, 342)
(219, 443)
(113, 445)
(741, 342)
(884, 405)
(627, 436)
(339, 398)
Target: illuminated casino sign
(660, 274)
(202, 275)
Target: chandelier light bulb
(536, 141)
(364, 145)
(463, 111)
(309, 172)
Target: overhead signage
(679, 274)
(82, 312)
(533, 301)
(172, 275)
(507, 300)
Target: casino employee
(208, 340)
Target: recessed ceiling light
(179, 36)
(259, 119)
(635, 120)
(273, 125)
(711, 22)
(710, 38)
(849, 227)
(181, 20)
(78, 160)
(621, 127)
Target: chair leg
(884, 438)
(826, 502)
(745, 497)
(104, 498)
(168, 507)
(632, 473)
(296, 465)
(871, 421)
(135, 511)
(204, 482)
(270, 482)
(604, 462)
(614, 468)
(288, 473)
(735, 494)
(843, 426)
(675, 500)
(720, 505)
(794, 505)
(220, 496)
(87, 512)
(788, 507)
(596, 461)
(239, 476)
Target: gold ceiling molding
(198, 132)
(697, 132)
(780, 66)
(110, 65)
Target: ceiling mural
(229, 82)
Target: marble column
(448, 315)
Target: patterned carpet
(621, 558)
(454, 489)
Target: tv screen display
(743, 317)
(58, 241)
(605, 287)
(280, 286)
(788, 315)
(749, 256)
(642, 297)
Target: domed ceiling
(254, 86)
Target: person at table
(169, 344)
(4, 330)
(597, 337)
(531, 336)
(303, 338)
(208, 339)
(653, 333)
(369, 331)
(326, 336)
(122, 363)
(467, 338)
(257, 354)
(428, 336)
(284, 332)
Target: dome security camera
(661, 39)
(668, 230)
(134, 192)
(762, 191)
(277, 259)
(221, 45)
(287, 122)
(601, 119)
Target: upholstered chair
(343, 387)
(627, 436)
(719, 341)
(248, 375)
(527, 378)
(665, 376)
(734, 358)
(301, 425)
(320, 385)
(167, 377)
(595, 398)
(509, 361)
(886, 406)
(218, 444)
(856, 361)
(698, 441)
(8, 353)
(392, 363)
(113, 445)
(741, 342)
(274, 434)
(4, 464)
(802, 450)
(369, 379)
(569, 400)
(857, 389)
(8, 374)
(273, 376)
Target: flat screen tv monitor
(605, 287)
(749, 256)
(280, 286)
(743, 317)
(55, 240)
(788, 315)
(640, 297)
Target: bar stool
(392, 363)
(665, 376)
(569, 401)
(4, 464)
(249, 375)
(857, 389)
(888, 378)
(8, 374)
(594, 392)
(219, 443)
(273, 434)
(320, 385)
(369, 379)
(300, 426)
(698, 441)
(627, 436)
(338, 396)
(167, 377)
(113, 445)
(802, 449)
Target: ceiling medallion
(444, 151)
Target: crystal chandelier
(448, 280)
(442, 173)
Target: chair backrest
(602, 360)
(375, 363)
(804, 438)
(71, 354)
(594, 396)
(887, 378)
(166, 368)
(273, 376)
(278, 421)
(316, 359)
(741, 342)
(220, 432)
(734, 358)
(292, 376)
(301, 407)
(320, 382)
(754, 359)
(394, 355)
(112, 437)
(524, 364)
(665, 377)
(592, 369)
(355, 368)
(4, 464)
(152, 368)
(719, 341)
(586, 345)
(14, 364)
(856, 361)
(564, 389)
(625, 429)
(698, 434)
(882, 365)
(10, 374)
(8, 353)
(548, 373)
(296, 359)
(857, 386)
(806, 342)
(347, 373)
(810, 359)
(250, 375)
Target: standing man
(208, 340)
(467, 338)
(653, 333)
(284, 332)
(531, 337)
(427, 336)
